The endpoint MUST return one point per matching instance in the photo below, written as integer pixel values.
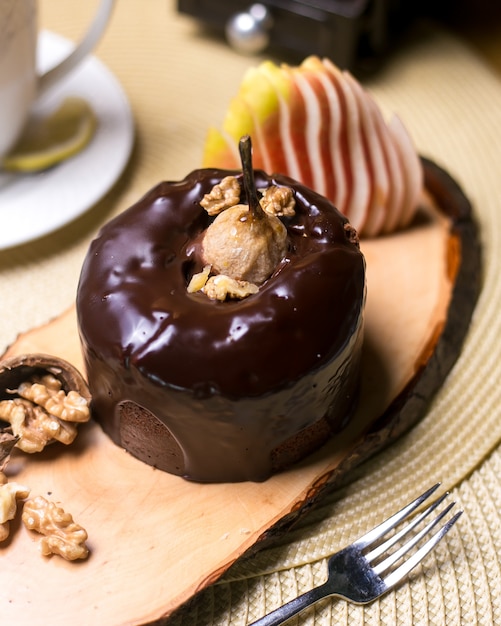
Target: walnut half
(278, 201)
(222, 196)
(62, 535)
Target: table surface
(446, 86)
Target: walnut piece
(278, 201)
(198, 280)
(222, 196)
(10, 493)
(221, 287)
(47, 392)
(62, 535)
(43, 413)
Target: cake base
(156, 539)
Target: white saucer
(33, 205)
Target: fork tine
(383, 547)
(380, 530)
(398, 574)
(398, 554)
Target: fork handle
(288, 610)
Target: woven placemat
(178, 83)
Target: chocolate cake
(237, 386)
(221, 390)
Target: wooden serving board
(156, 539)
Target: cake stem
(245, 148)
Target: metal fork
(363, 571)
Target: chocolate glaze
(228, 383)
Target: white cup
(20, 85)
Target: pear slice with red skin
(284, 158)
(351, 172)
(335, 142)
(376, 161)
(357, 170)
(395, 171)
(413, 172)
(317, 165)
(299, 127)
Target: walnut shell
(18, 369)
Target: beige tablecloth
(178, 82)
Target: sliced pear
(318, 125)
(50, 140)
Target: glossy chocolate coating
(232, 381)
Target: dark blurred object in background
(355, 34)
(338, 29)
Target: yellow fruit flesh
(50, 140)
